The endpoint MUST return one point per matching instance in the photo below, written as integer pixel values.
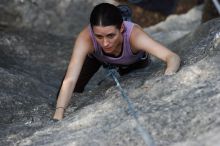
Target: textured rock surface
(171, 29)
(31, 66)
(55, 16)
(179, 110)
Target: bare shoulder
(84, 34)
(137, 31)
(84, 40)
(138, 36)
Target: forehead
(104, 29)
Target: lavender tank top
(126, 57)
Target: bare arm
(141, 41)
(82, 47)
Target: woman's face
(109, 38)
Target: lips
(107, 49)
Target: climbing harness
(144, 133)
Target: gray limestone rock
(176, 26)
(64, 17)
(32, 65)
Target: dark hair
(106, 14)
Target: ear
(122, 29)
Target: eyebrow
(99, 35)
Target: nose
(105, 42)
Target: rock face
(171, 30)
(58, 17)
(178, 110)
(31, 66)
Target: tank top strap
(127, 33)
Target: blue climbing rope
(144, 133)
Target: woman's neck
(119, 47)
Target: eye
(111, 36)
(98, 36)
